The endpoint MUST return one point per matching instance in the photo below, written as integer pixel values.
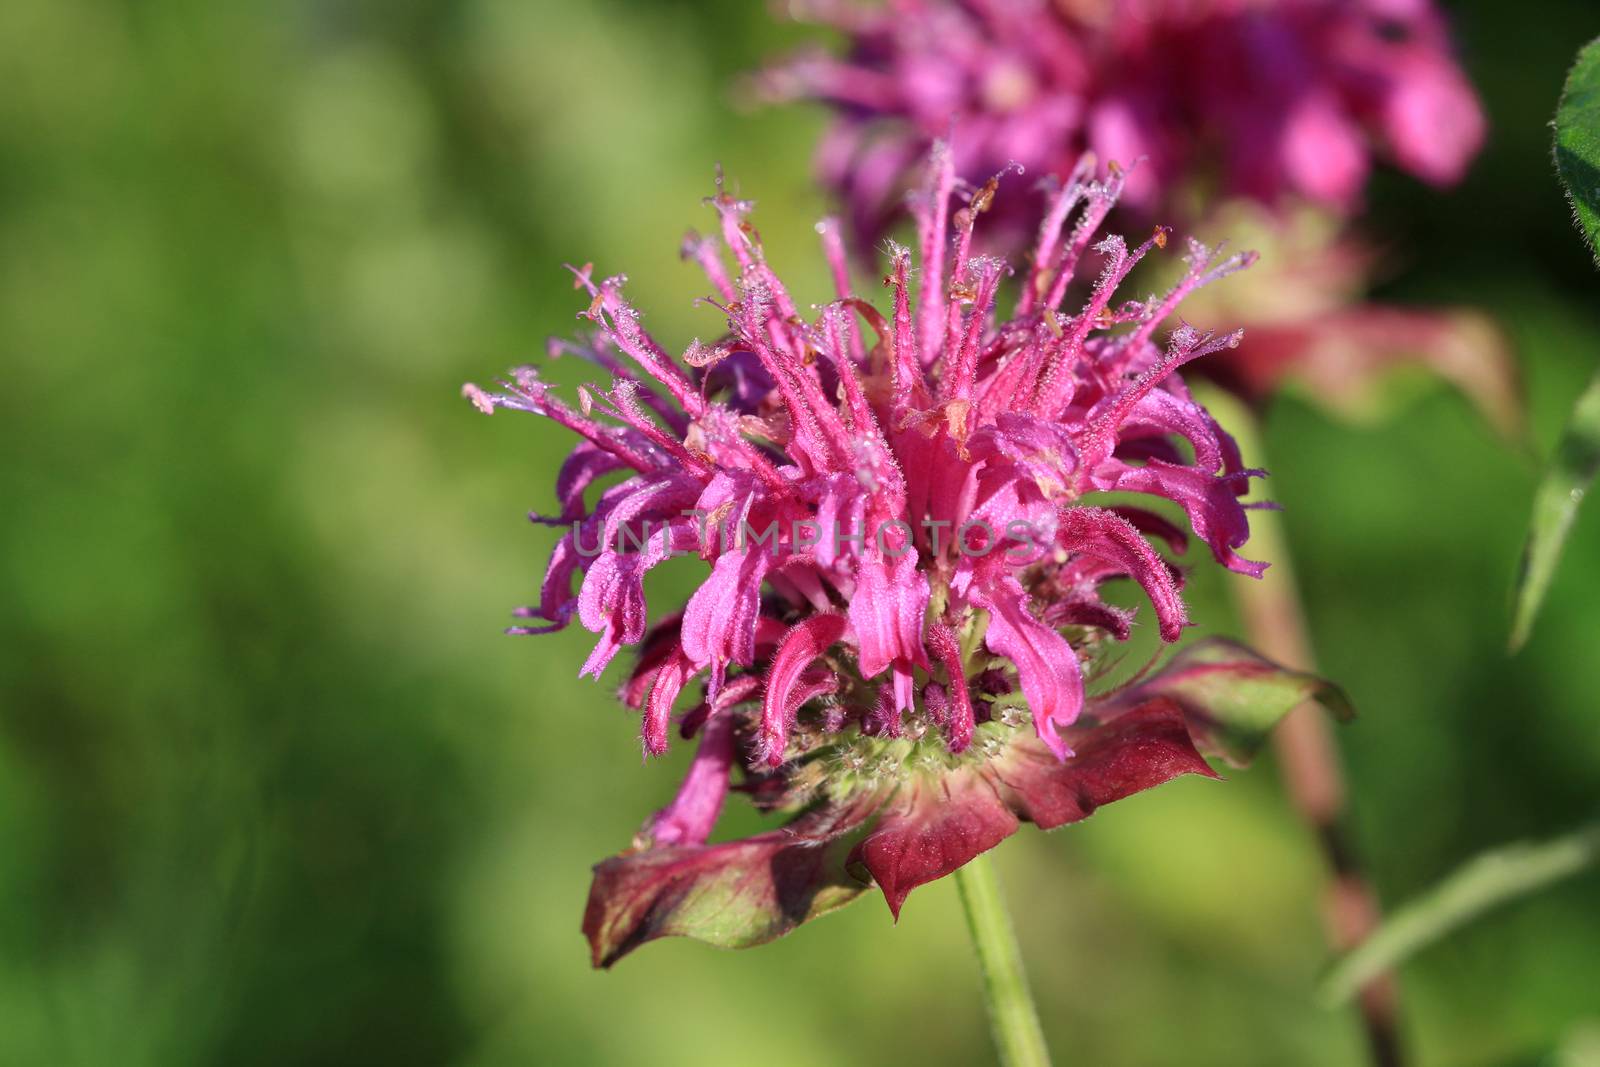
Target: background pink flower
(1264, 99)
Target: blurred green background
(273, 788)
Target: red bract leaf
(1230, 697)
(1138, 750)
(1214, 694)
(735, 895)
(937, 825)
(932, 828)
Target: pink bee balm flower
(904, 559)
(1271, 98)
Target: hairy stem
(1012, 1017)
(1308, 759)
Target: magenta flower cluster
(941, 415)
(877, 684)
(1265, 99)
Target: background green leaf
(1577, 455)
(1578, 142)
(1555, 508)
(1480, 884)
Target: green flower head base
(902, 811)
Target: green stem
(1012, 1016)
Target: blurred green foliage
(1576, 456)
(274, 790)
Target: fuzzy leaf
(1231, 697)
(735, 895)
(1555, 507)
(1578, 142)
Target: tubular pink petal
(1152, 525)
(1212, 504)
(1062, 203)
(1046, 664)
(670, 679)
(932, 212)
(621, 322)
(719, 620)
(803, 643)
(1107, 536)
(946, 649)
(660, 644)
(583, 467)
(703, 251)
(693, 813)
(910, 388)
(886, 613)
(1099, 439)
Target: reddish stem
(1309, 762)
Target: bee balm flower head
(903, 555)
(1268, 98)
